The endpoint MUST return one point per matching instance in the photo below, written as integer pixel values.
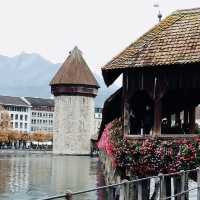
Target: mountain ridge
(29, 74)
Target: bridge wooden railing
(125, 191)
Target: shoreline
(22, 151)
(13, 151)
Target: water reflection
(32, 176)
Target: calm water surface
(25, 176)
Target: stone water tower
(75, 88)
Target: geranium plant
(151, 156)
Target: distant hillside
(30, 74)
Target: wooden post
(186, 118)
(133, 187)
(198, 183)
(157, 118)
(192, 119)
(186, 186)
(68, 195)
(145, 189)
(140, 190)
(162, 186)
(168, 186)
(124, 192)
(127, 191)
(177, 186)
(169, 121)
(126, 109)
(182, 197)
(177, 118)
(156, 190)
(110, 193)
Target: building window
(26, 117)
(16, 117)
(11, 116)
(25, 125)
(21, 125)
(21, 117)
(11, 124)
(16, 125)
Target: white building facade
(19, 112)
(29, 114)
(42, 114)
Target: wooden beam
(126, 105)
(169, 120)
(192, 119)
(178, 119)
(186, 117)
(157, 118)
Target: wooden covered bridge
(161, 79)
(155, 106)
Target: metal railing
(123, 188)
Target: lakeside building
(19, 112)
(30, 114)
(42, 113)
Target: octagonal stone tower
(75, 88)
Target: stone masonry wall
(73, 124)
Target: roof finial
(159, 13)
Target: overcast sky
(100, 28)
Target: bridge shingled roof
(175, 40)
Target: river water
(25, 176)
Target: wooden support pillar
(198, 183)
(168, 186)
(177, 119)
(180, 186)
(133, 188)
(186, 121)
(126, 106)
(186, 117)
(169, 121)
(192, 119)
(157, 118)
(162, 186)
(144, 190)
(186, 186)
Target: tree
(4, 118)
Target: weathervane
(159, 13)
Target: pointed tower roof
(74, 71)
